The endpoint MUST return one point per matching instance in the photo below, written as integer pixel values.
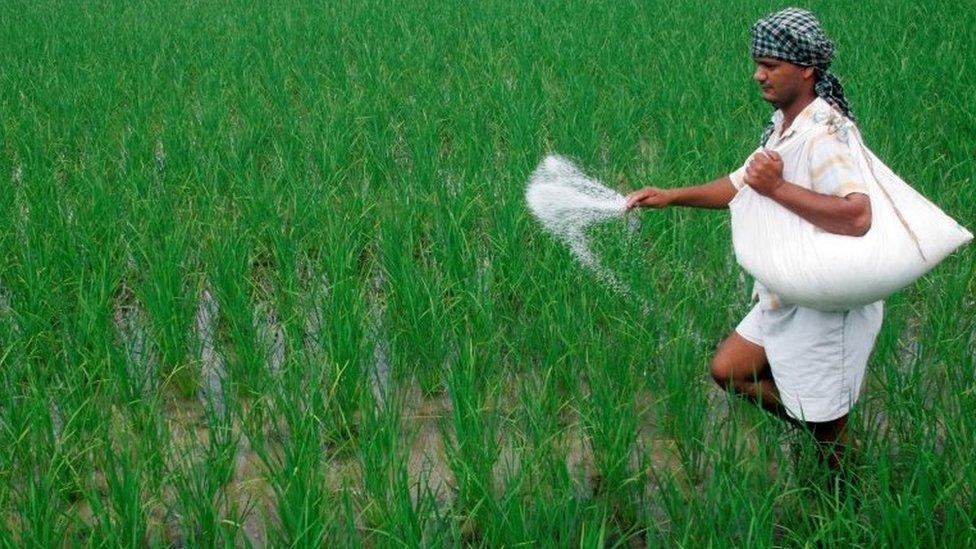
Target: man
(804, 365)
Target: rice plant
(267, 277)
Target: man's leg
(832, 440)
(740, 366)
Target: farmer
(803, 365)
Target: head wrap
(795, 36)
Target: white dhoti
(818, 359)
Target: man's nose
(759, 75)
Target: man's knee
(736, 360)
(722, 371)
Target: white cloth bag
(808, 266)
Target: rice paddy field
(267, 277)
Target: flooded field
(268, 277)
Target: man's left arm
(847, 215)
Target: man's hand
(765, 172)
(649, 197)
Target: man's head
(789, 47)
(792, 54)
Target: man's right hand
(649, 197)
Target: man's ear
(809, 73)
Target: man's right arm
(715, 194)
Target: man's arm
(715, 194)
(849, 215)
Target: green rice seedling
(234, 290)
(471, 444)
(161, 253)
(398, 507)
(611, 422)
(418, 307)
(544, 423)
(204, 456)
(303, 439)
(134, 360)
(291, 441)
(594, 534)
(540, 478)
(119, 497)
(342, 309)
(287, 305)
(45, 478)
(203, 510)
(753, 476)
(682, 407)
(345, 358)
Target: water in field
(568, 203)
(277, 290)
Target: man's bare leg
(741, 367)
(832, 440)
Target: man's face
(781, 82)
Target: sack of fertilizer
(808, 266)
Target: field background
(267, 277)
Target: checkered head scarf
(795, 36)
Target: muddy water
(212, 369)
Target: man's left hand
(765, 172)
